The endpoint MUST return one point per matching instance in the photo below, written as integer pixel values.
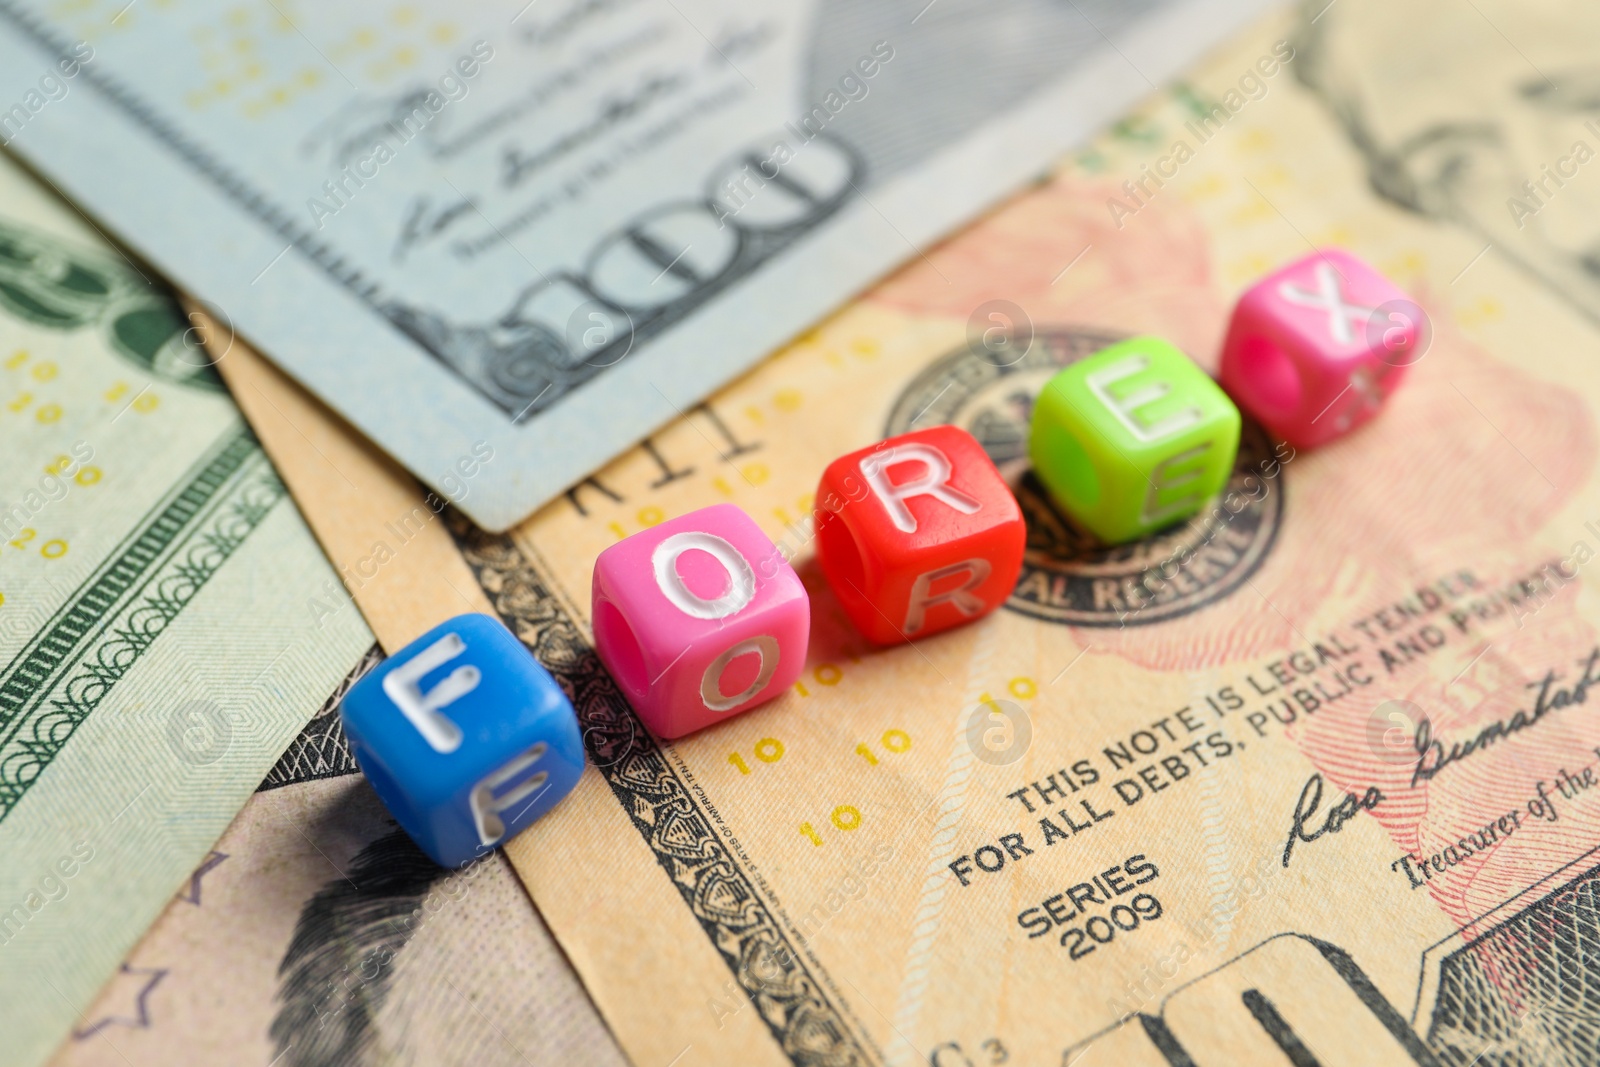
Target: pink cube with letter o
(699, 619)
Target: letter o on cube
(1132, 439)
(918, 534)
(698, 619)
(1315, 349)
(464, 736)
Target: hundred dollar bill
(155, 650)
(339, 946)
(1308, 779)
(552, 226)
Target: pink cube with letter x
(1316, 348)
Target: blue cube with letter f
(465, 737)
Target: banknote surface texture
(315, 934)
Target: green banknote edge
(103, 810)
(120, 610)
(126, 792)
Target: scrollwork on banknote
(321, 749)
(1517, 991)
(1525, 990)
(112, 620)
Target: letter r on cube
(934, 481)
(939, 548)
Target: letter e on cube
(1132, 439)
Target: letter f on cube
(464, 736)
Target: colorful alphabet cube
(918, 533)
(699, 619)
(1315, 349)
(1132, 439)
(464, 736)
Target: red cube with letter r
(918, 533)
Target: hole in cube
(1272, 376)
(627, 658)
(740, 673)
(703, 575)
(838, 544)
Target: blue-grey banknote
(553, 225)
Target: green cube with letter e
(1133, 439)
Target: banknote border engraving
(321, 749)
(522, 365)
(808, 1026)
(1427, 1045)
(1545, 915)
(1340, 962)
(120, 610)
(941, 391)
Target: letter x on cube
(1315, 349)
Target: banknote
(1308, 779)
(155, 651)
(340, 946)
(552, 227)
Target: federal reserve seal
(1067, 576)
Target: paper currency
(1308, 779)
(155, 650)
(315, 934)
(542, 230)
